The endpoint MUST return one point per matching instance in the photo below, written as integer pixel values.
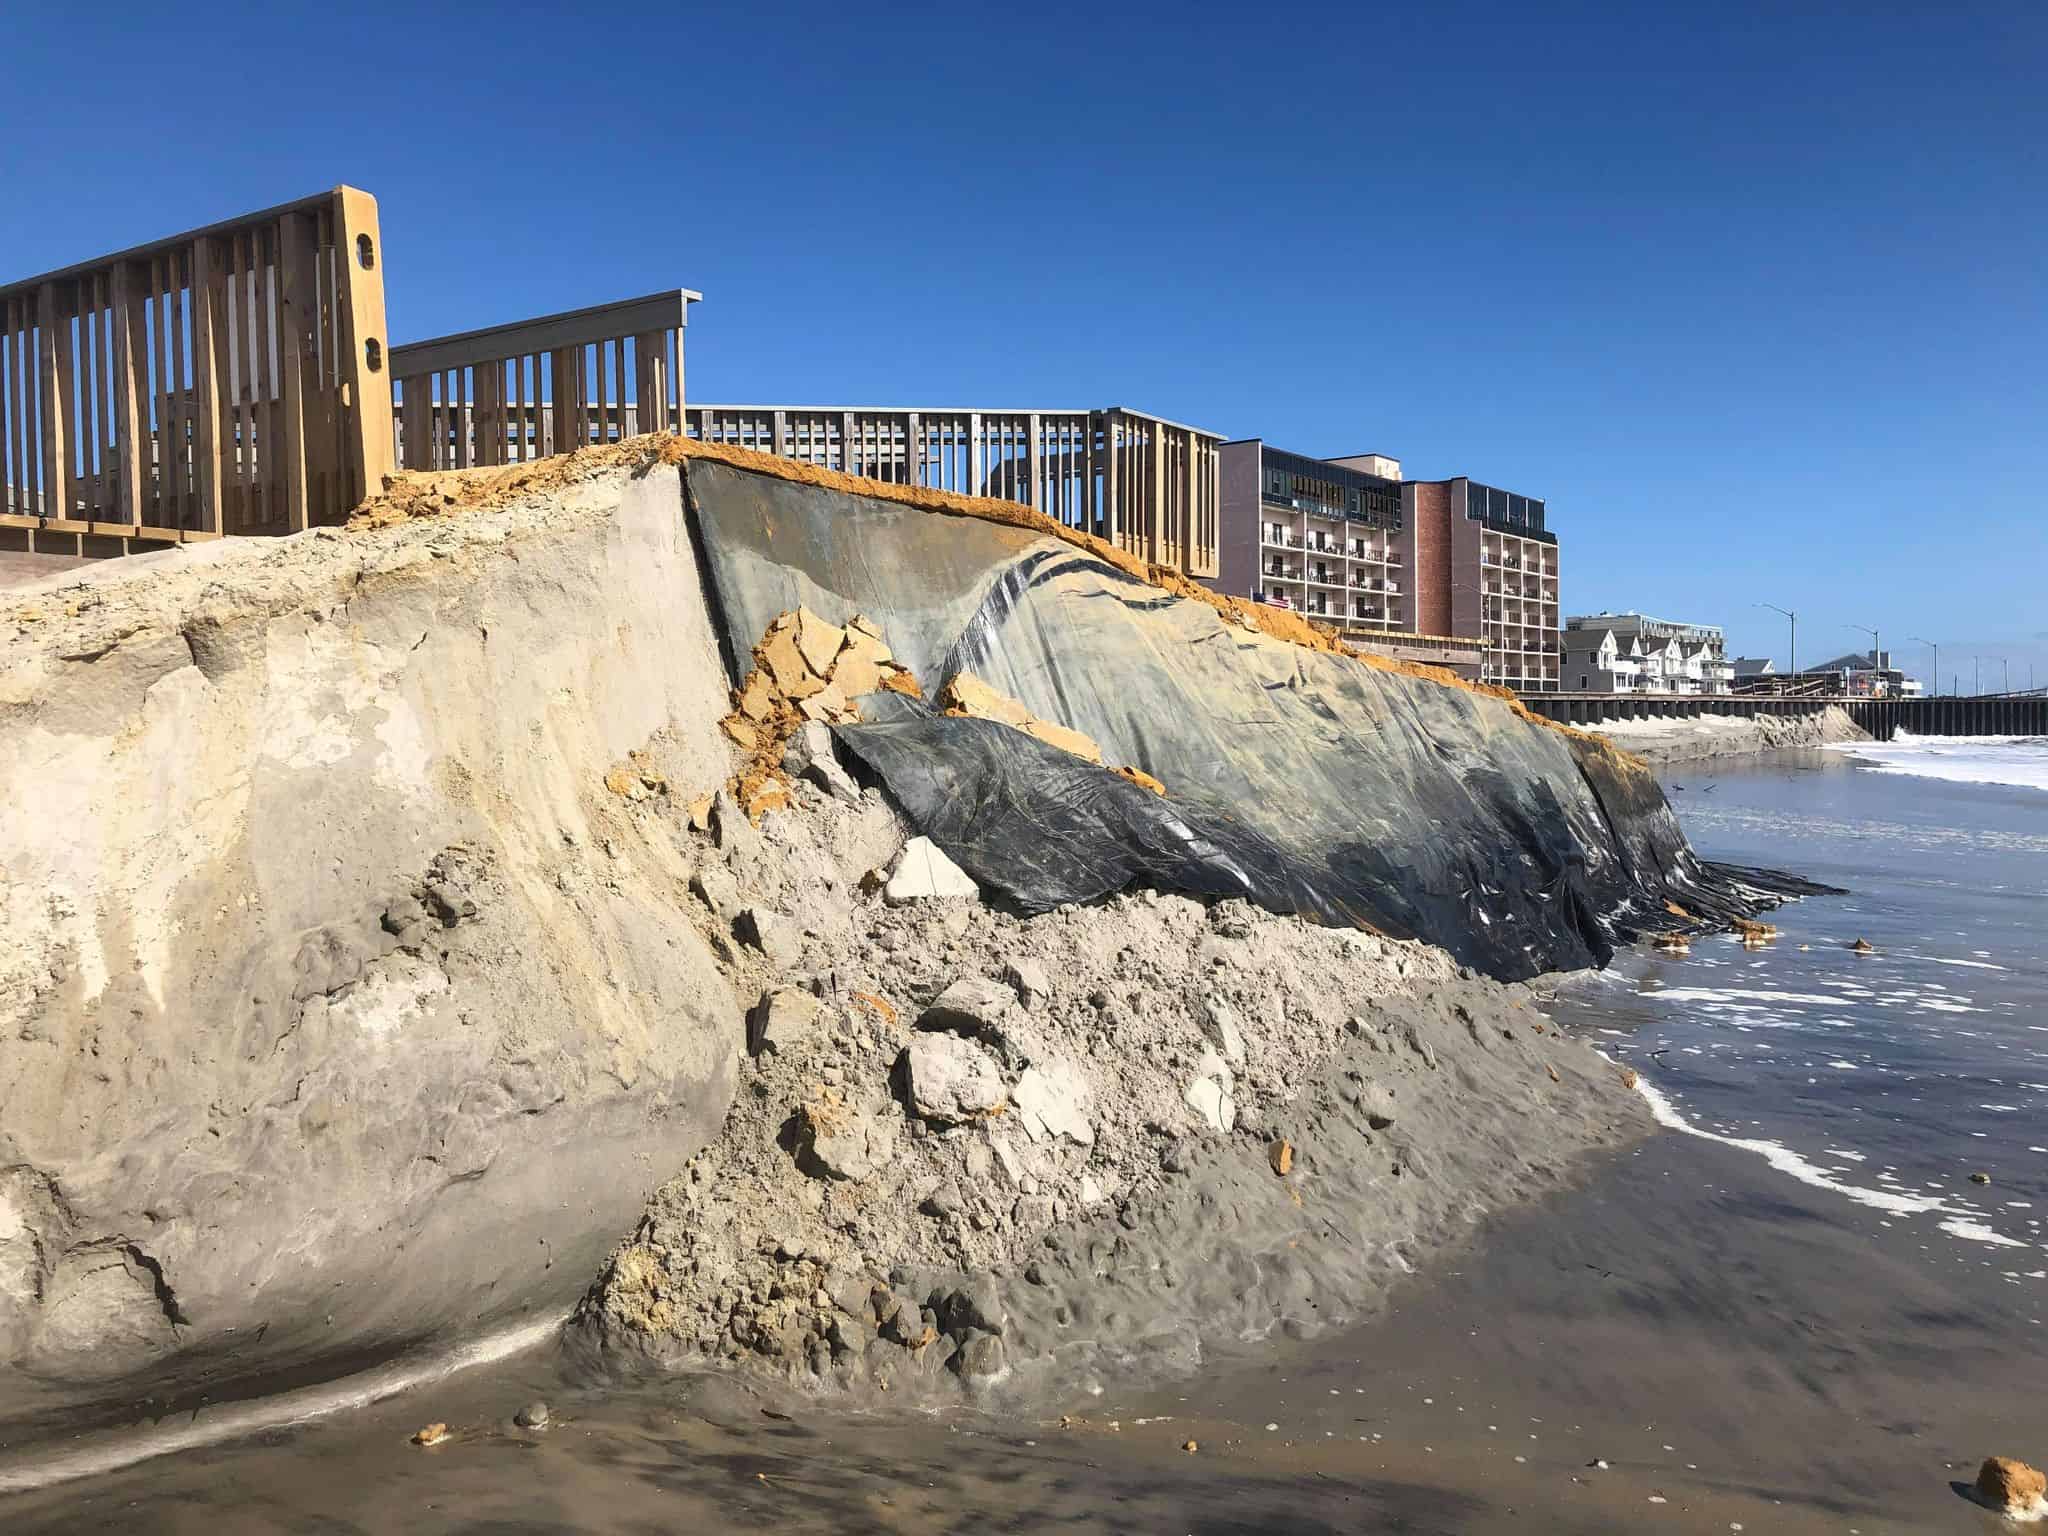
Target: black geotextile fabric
(1041, 827)
(1303, 781)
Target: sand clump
(976, 1151)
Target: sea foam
(2021, 761)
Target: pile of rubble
(806, 672)
(959, 1131)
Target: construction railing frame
(227, 380)
(512, 393)
(1145, 484)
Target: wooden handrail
(230, 379)
(509, 393)
(1146, 484)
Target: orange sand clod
(417, 494)
(967, 694)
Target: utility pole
(1792, 657)
(2006, 662)
(1934, 667)
(1976, 686)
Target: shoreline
(1667, 743)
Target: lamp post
(1792, 656)
(2006, 662)
(1976, 688)
(1934, 667)
(1875, 675)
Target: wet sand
(1751, 1353)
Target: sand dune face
(340, 1006)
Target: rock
(1052, 1102)
(730, 828)
(1207, 1098)
(847, 1335)
(1092, 1193)
(1226, 1030)
(1376, 1101)
(945, 1200)
(817, 641)
(2010, 1486)
(810, 755)
(970, 1005)
(1230, 920)
(534, 1415)
(1980, 1178)
(1281, 1155)
(715, 887)
(852, 1292)
(1420, 1046)
(434, 1434)
(981, 1355)
(843, 1142)
(975, 1306)
(782, 1019)
(1189, 1446)
(923, 872)
(952, 1079)
(1863, 947)
(1027, 979)
(771, 933)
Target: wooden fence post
(367, 453)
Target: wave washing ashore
(1892, 1078)
(2019, 761)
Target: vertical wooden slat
(206, 358)
(54, 360)
(298, 319)
(618, 346)
(131, 402)
(268, 360)
(568, 391)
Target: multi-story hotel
(1485, 565)
(1315, 535)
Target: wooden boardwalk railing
(517, 392)
(227, 380)
(1147, 485)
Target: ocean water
(1888, 1079)
(2021, 761)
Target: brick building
(1483, 564)
(1347, 541)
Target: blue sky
(1752, 294)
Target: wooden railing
(227, 380)
(1147, 485)
(522, 391)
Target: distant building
(1753, 669)
(1634, 653)
(1484, 564)
(1314, 535)
(1468, 571)
(1864, 675)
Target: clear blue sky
(1753, 294)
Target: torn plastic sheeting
(1045, 828)
(1310, 781)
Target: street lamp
(1875, 675)
(1976, 687)
(1792, 657)
(1934, 669)
(2006, 662)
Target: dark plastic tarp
(1305, 781)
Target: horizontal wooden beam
(549, 333)
(173, 243)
